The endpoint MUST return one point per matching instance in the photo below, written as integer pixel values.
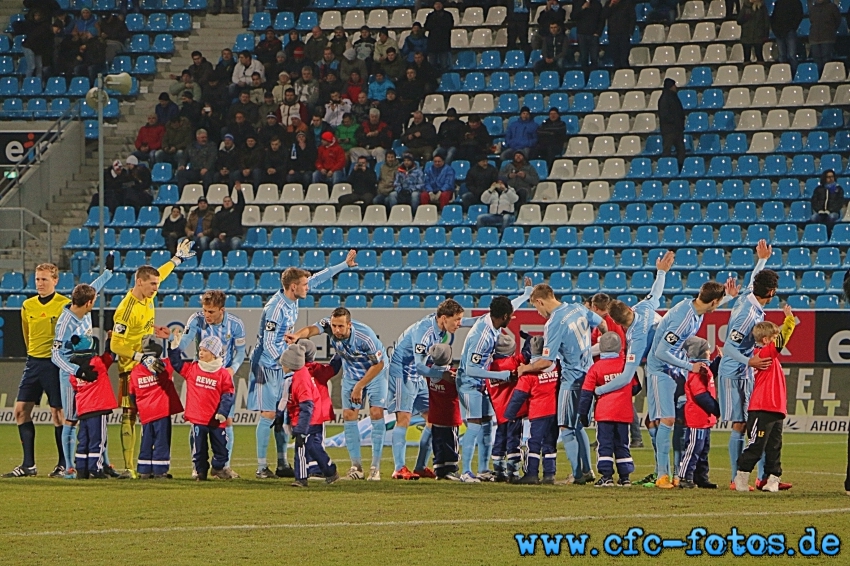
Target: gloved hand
(184, 251)
(153, 363)
(220, 418)
(277, 424)
(300, 438)
(86, 373)
(584, 420)
(110, 261)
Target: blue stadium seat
(806, 72)
(673, 236)
(802, 165)
(385, 237)
(522, 260)
(603, 259)
(709, 144)
(744, 213)
(313, 260)
(332, 238)
(479, 283)
(653, 146)
(614, 282)
(608, 214)
(816, 142)
(452, 283)
(261, 260)
(840, 235)
(696, 122)
(689, 213)
(473, 82)
(700, 77)
(587, 283)
(701, 236)
(814, 235)
(548, 80)
(561, 282)
(576, 259)
(798, 258)
(506, 282)
(830, 161)
(460, 236)
(641, 282)
(548, 260)
(630, 260)
(487, 237)
(416, 260)
(712, 99)
(435, 237)
(444, 260)
(741, 259)
(306, 238)
(211, 260)
(827, 302)
(695, 280)
(391, 260)
(599, 80)
(759, 189)
(508, 104)
(243, 283)
(386, 301)
(624, 191)
(692, 167)
(620, 236)
(218, 280)
(662, 213)
(720, 166)
(573, 80)
(811, 282)
(288, 258)
(729, 235)
(129, 239)
(651, 191)
(717, 213)
(704, 190)
(347, 282)
(792, 142)
(841, 142)
(330, 301)
(747, 166)
(260, 21)
(800, 212)
(647, 236)
(688, 98)
(593, 237)
(565, 236)
(640, 168)
(496, 260)
(724, 121)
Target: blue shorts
(265, 389)
(661, 397)
(568, 400)
(473, 403)
(733, 396)
(69, 398)
(409, 396)
(40, 377)
(375, 392)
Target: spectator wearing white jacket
(243, 71)
(501, 200)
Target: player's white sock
(399, 446)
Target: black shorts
(40, 376)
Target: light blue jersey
(231, 332)
(359, 352)
(410, 355)
(566, 337)
(739, 334)
(680, 323)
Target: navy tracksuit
(695, 447)
(200, 448)
(506, 454)
(444, 444)
(155, 452)
(312, 450)
(91, 443)
(613, 439)
(542, 443)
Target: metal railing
(15, 257)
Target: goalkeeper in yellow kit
(134, 319)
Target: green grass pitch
(248, 521)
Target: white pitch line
(420, 523)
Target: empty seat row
(708, 190)
(159, 23)
(771, 212)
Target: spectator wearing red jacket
(95, 401)
(613, 412)
(209, 397)
(506, 454)
(306, 420)
(156, 399)
(330, 161)
(149, 139)
(700, 414)
(541, 392)
(767, 409)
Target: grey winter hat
(506, 345)
(536, 346)
(696, 347)
(441, 354)
(293, 357)
(309, 349)
(610, 342)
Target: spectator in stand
(38, 43)
(755, 28)
(298, 62)
(199, 225)
(439, 25)
(166, 110)
(251, 158)
(520, 175)
(200, 68)
(393, 66)
(420, 137)
(409, 184)
(786, 18)
(671, 117)
(355, 86)
(349, 65)
(114, 32)
(149, 139)
(85, 27)
(174, 229)
(553, 14)
(374, 140)
(394, 113)
(622, 19)
(501, 200)
(278, 66)
(425, 71)
(307, 88)
(825, 19)
(315, 46)
(226, 64)
(346, 133)
(360, 109)
(190, 108)
(384, 42)
(364, 185)
(246, 10)
(590, 21)
(240, 129)
(212, 123)
(200, 162)
(827, 200)
(302, 161)
(364, 47)
(480, 178)
(274, 163)
(114, 179)
(244, 105)
(439, 183)
(227, 229)
(227, 162)
(257, 90)
(517, 22)
(386, 180)
(411, 91)
(266, 50)
(339, 42)
(328, 85)
(521, 135)
(551, 137)
(378, 89)
(290, 107)
(414, 42)
(450, 136)
(327, 63)
(330, 161)
(215, 94)
(293, 44)
(554, 52)
(268, 107)
(293, 129)
(317, 128)
(283, 84)
(242, 72)
(178, 136)
(271, 130)
(137, 194)
(476, 140)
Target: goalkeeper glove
(153, 364)
(277, 424)
(184, 251)
(300, 438)
(220, 418)
(584, 420)
(86, 373)
(110, 261)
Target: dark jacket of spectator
(228, 221)
(825, 18)
(552, 133)
(590, 20)
(451, 133)
(427, 135)
(201, 73)
(363, 182)
(439, 26)
(206, 218)
(165, 113)
(202, 156)
(825, 199)
(787, 15)
(39, 35)
(299, 159)
(177, 227)
(113, 28)
(479, 179)
(251, 157)
(621, 17)
(671, 114)
(548, 17)
(394, 113)
(227, 159)
(178, 134)
(755, 23)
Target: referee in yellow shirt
(38, 318)
(133, 320)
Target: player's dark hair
(501, 307)
(711, 291)
(292, 275)
(618, 310)
(542, 291)
(82, 294)
(601, 301)
(764, 282)
(450, 308)
(213, 298)
(145, 272)
(341, 311)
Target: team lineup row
(288, 388)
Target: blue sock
(399, 446)
(568, 437)
(69, 444)
(678, 436)
(424, 449)
(653, 433)
(485, 446)
(467, 445)
(281, 439)
(664, 441)
(352, 442)
(229, 433)
(761, 467)
(379, 431)
(264, 433)
(736, 446)
(583, 450)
